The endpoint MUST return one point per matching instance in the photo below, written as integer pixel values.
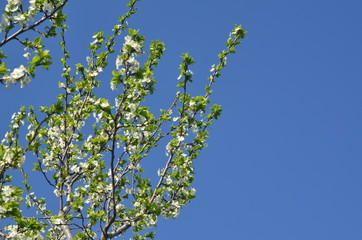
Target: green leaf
(3, 68)
(57, 107)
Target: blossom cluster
(18, 74)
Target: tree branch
(22, 30)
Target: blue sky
(284, 160)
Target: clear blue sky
(284, 162)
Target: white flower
(12, 229)
(122, 71)
(180, 138)
(150, 221)
(32, 6)
(2, 210)
(146, 80)
(20, 19)
(129, 191)
(56, 221)
(176, 204)
(47, 6)
(235, 30)
(75, 168)
(14, 1)
(5, 21)
(129, 41)
(104, 104)
(168, 149)
(117, 102)
(194, 128)
(160, 172)
(6, 193)
(94, 74)
(137, 135)
(113, 87)
(26, 55)
(128, 116)
(57, 192)
(212, 68)
(61, 84)
(146, 133)
(11, 8)
(24, 82)
(18, 72)
(134, 64)
(132, 107)
(168, 180)
(118, 62)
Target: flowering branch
(92, 153)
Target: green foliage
(97, 175)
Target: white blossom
(31, 6)
(119, 62)
(194, 128)
(75, 168)
(146, 80)
(56, 221)
(168, 180)
(12, 229)
(104, 104)
(24, 81)
(57, 192)
(134, 65)
(150, 221)
(132, 107)
(160, 172)
(212, 68)
(129, 41)
(14, 2)
(6, 193)
(18, 72)
(47, 6)
(2, 210)
(5, 22)
(11, 8)
(26, 55)
(94, 73)
(113, 86)
(20, 18)
(180, 138)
